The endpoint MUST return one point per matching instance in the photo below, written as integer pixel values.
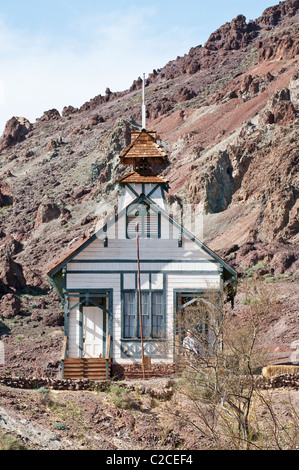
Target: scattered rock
(282, 381)
(65, 214)
(11, 275)
(35, 316)
(272, 258)
(95, 120)
(6, 197)
(51, 115)
(10, 306)
(47, 211)
(52, 145)
(68, 111)
(88, 219)
(184, 94)
(53, 319)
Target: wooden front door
(93, 334)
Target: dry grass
(272, 371)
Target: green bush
(60, 426)
(249, 271)
(121, 397)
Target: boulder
(68, 111)
(46, 212)
(11, 275)
(52, 145)
(35, 316)
(54, 319)
(6, 198)
(184, 94)
(51, 115)
(10, 306)
(15, 131)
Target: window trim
(145, 233)
(150, 293)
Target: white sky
(65, 52)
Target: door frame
(194, 294)
(101, 325)
(85, 297)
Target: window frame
(144, 221)
(150, 294)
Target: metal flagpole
(139, 296)
(143, 104)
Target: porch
(95, 368)
(87, 368)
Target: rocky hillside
(227, 115)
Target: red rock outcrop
(233, 35)
(15, 131)
(273, 15)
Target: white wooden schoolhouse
(109, 289)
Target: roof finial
(143, 103)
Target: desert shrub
(121, 397)
(60, 426)
(221, 380)
(44, 396)
(9, 442)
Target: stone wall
(51, 383)
(280, 381)
(284, 380)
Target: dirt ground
(132, 420)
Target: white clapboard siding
(157, 281)
(73, 330)
(156, 196)
(127, 197)
(181, 267)
(93, 281)
(149, 249)
(129, 281)
(193, 281)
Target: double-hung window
(153, 317)
(130, 314)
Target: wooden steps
(87, 368)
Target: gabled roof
(143, 147)
(60, 264)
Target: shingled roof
(134, 177)
(143, 146)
